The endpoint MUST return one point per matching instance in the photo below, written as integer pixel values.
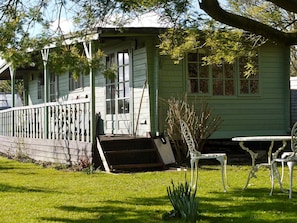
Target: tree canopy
(272, 19)
(228, 30)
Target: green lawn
(30, 193)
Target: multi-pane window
(220, 79)
(223, 79)
(198, 79)
(75, 83)
(118, 90)
(123, 82)
(248, 85)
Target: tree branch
(289, 5)
(213, 9)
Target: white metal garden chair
(289, 157)
(196, 155)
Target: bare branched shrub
(200, 119)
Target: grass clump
(184, 202)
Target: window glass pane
(126, 73)
(244, 88)
(229, 70)
(218, 87)
(120, 59)
(203, 71)
(127, 90)
(121, 90)
(108, 107)
(121, 108)
(113, 91)
(203, 86)
(112, 107)
(121, 74)
(108, 92)
(126, 58)
(254, 86)
(192, 57)
(193, 85)
(126, 106)
(192, 70)
(229, 88)
(217, 70)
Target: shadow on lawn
(132, 210)
(248, 206)
(236, 205)
(22, 189)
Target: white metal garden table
(254, 155)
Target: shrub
(200, 119)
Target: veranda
(55, 132)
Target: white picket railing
(67, 120)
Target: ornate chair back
(188, 138)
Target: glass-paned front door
(118, 95)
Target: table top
(262, 138)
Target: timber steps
(124, 153)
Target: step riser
(131, 154)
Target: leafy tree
(274, 20)
(27, 24)
(5, 86)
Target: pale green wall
(63, 89)
(265, 114)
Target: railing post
(92, 124)
(45, 54)
(12, 76)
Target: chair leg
(194, 173)
(283, 167)
(291, 167)
(223, 161)
(225, 171)
(272, 172)
(275, 173)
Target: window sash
(222, 79)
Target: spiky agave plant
(184, 201)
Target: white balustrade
(67, 120)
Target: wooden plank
(136, 166)
(102, 156)
(130, 151)
(165, 151)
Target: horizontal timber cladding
(141, 97)
(263, 114)
(54, 151)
